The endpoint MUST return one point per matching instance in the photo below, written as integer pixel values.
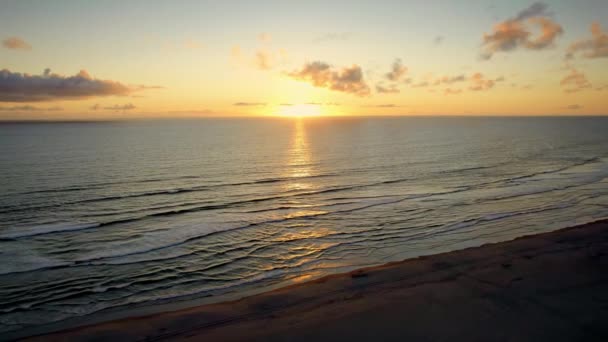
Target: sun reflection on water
(299, 163)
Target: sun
(300, 110)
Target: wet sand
(547, 287)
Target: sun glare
(300, 110)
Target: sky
(82, 60)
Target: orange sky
(106, 60)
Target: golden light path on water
(299, 168)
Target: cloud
(264, 37)
(450, 91)
(527, 87)
(16, 43)
(391, 89)
(480, 83)
(263, 59)
(22, 87)
(575, 81)
(386, 105)
(29, 108)
(236, 52)
(574, 107)
(333, 36)
(121, 108)
(323, 104)
(248, 104)
(192, 44)
(517, 32)
(451, 79)
(421, 84)
(535, 10)
(398, 70)
(322, 75)
(193, 112)
(594, 47)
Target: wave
(174, 191)
(45, 230)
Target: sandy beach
(550, 286)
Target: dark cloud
(575, 81)
(517, 32)
(121, 108)
(398, 70)
(18, 87)
(29, 108)
(535, 10)
(319, 74)
(248, 104)
(16, 43)
(594, 47)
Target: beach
(549, 286)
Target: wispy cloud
(517, 32)
(383, 105)
(333, 36)
(450, 91)
(574, 107)
(249, 104)
(322, 75)
(120, 108)
(29, 108)
(479, 82)
(575, 81)
(264, 37)
(594, 47)
(451, 79)
(22, 87)
(16, 43)
(390, 89)
(262, 59)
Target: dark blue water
(103, 217)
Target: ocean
(98, 219)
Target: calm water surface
(104, 217)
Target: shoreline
(323, 308)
